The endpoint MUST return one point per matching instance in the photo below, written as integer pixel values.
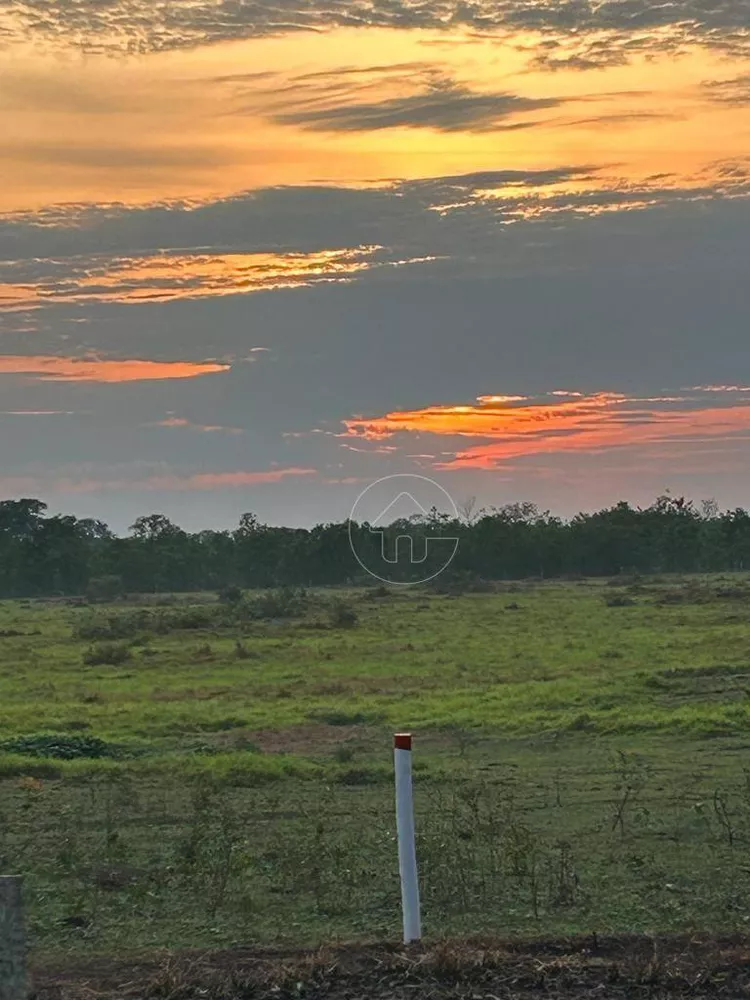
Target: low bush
(186, 619)
(116, 626)
(334, 717)
(140, 622)
(342, 615)
(620, 601)
(378, 593)
(111, 654)
(287, 602)
(59, 746)
(241, 652)
(230, 595)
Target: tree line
(44, 555)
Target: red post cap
(402, 741)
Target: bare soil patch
(699, 966)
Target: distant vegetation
(64, 555)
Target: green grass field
(175, 773)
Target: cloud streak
(172, 276)
(510, 428)
(48, 368)
(450, 108)
(734, 91)
(182, 423)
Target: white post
(12, 941)
(407, 851)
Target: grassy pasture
(178, 773)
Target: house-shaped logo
(401, 547)
(398, 511)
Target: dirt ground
(605, 968)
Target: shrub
(186, 619)
(581, 722)
(106, 653)
(342, 615)
(230, 595)
(378, 593)
(283, 603)
(333, 717)
(241, 652)
(59, 747)
(123, 626)
(133, 624)
(620, 601)
(739, 593)
(76, 725)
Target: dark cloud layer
(616, 27)
(293, 218)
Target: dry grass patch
(668, 967)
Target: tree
(154, 527)
(42, 554)
(21, 518)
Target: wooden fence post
(12, 940)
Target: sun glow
(350, 106)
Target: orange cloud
(18, 296)
(170, 276)
(494, 417)
(555, 425)
(49, 368)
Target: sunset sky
(256, 255)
